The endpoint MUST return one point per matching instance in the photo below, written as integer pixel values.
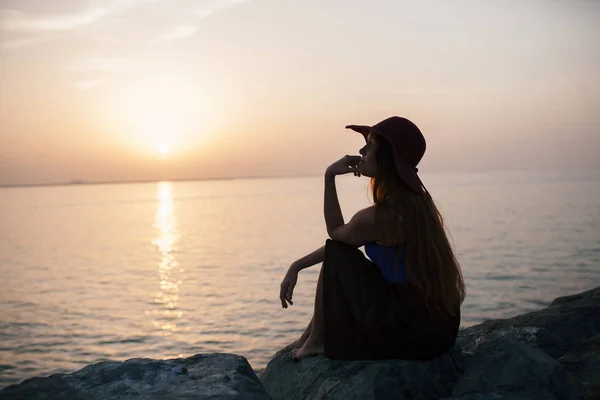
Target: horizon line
(82, 182)
(79, 182)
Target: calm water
(162, 270)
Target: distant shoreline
(80, 182)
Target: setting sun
(162, 149)
(162, 115)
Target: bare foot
(310, 348)
(294, 345)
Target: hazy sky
(158, 89)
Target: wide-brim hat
(408, 145)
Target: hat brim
(406, 172)
(362, 129)
(409, 176)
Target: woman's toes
(308, 350)
(295, 354)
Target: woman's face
(368, 163)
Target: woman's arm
(309, 260)
(286, 289)
(361, 229)
(331, 204)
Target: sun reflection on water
(169, 315)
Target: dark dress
(369, 318)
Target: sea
(94, 272)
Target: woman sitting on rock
(405, 301)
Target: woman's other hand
(287, 287)
(344, 165)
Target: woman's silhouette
(404, 300)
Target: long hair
(431, 266)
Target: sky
(122, 90)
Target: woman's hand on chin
(344, 165)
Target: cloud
(100, 65)
(184, 31)
(203, 13)
(17, 21)
(27, 29)
(179, 32)
(86, 85)
(20, 29)
(96, 65)
(21, 42)
(218, 6)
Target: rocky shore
(553, 353)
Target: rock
(587, 296)
(583, 365)
(546, 354)
(320, 378)
(527, 395)
(203, 376)
(566, 323)
(509, 366)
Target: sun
(162, 149)
(161, 115)
(166, 115)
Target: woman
(402, 302)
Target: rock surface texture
(549, 354)
(203, 376)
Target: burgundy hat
(407, 143)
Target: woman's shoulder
(367, 212)
(366, 217)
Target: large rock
(562, 326)
(320, 378)
(547, 354)
(509, 366)
(583, 365)
(203, 376)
